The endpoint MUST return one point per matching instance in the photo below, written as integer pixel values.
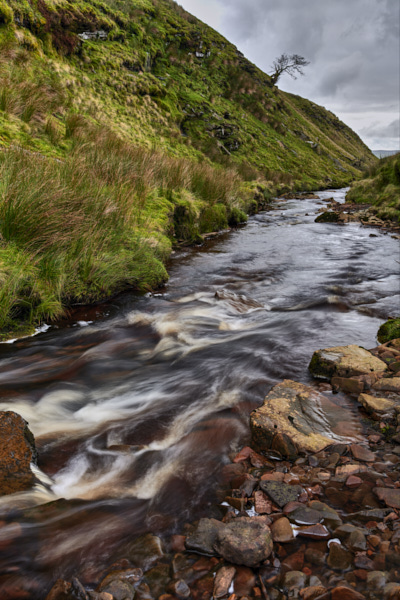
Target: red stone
(243, 454)
(353, 481)
(345, 593)
(178, 543)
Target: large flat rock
(345, 361)
(305, 418)
(17, 452)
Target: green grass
(381, 188)
(112, 150)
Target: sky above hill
(353, 47)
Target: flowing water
(137, 405)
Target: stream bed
(136, 404)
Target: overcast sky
(353, 47)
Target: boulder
(388, 384)
(17, 452)
(294, 417)
(344, 361)
(245, 541)
(204, 536)
(376, 405)
(391, 497)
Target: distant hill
(384, 153)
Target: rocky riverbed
(302, 512)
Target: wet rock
(303, 515)
(362, 453)
(61, 590)
(315, 557)
(345, 384)
(314, 532)
(244, 582)
(391, 591)
(282, 531)
(339, 557)
(344, 361)
(357, 541)
(262, 505)
(312, 592)
(374, 514)
(343, 473)
(280, 493)
(132, 576)
(376, 405)
(204, 536)
(223, 580)
(157, 579)
(17, 452)
(180, 589)
(293, 582)
(120, 590)
(387, 384)
(376, 580)
(245, 541)
(145, 551)
(345, 593)
(298, 414)
(329, 515)
(391, 497)
(353, 481)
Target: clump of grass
(389, 330)
(79, 229)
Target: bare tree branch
(291, 64)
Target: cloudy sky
(353, 47)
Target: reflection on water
(135, 412)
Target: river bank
(137, 414)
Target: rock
(120, 590)
(391, 591)
(351, 386)
(61, 590)
(244, 541)
(357, 541)
(339, 557)
(282, 531)
(17, 452)
(391, 497)
(376, 580)
(262, 505)
(329, 515)
(158, 579)
(374, 514)
(344, 472)
(300, 417)
(315, 557)
(327, 216)
(280, 493)
(294, 580)
(204, 536)
(376, 405)
(180, 589)
(223, 580)
(244, 582)
(353, 481)
(303, 515)
(362, 453)
(388, 384)
(312, 592)
(345, 593)
(314, 532)
(344, 361)
(145, 551)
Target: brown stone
(342, 473)
(262, 505)
(244, 581)
(244, 541)
(345, 593)
(282, 531)
(312, 592)
(339, 557)
(61, 590)
(314, 532)
(388, 384)
(353, 481)
(391, 497)
(17, 451)
(244, 454)
(345, 361)
(351, 386)
(223, 580)
(362, 453)
(376, 405)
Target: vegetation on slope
(381, 188)
(128, 125)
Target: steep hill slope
(380, 187)
(125, 126)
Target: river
(136, 404)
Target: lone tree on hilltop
(292, 64)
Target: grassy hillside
(381, 188)
(127, 126)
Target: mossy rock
(389, 330)
(327, 217)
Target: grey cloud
(375, 130)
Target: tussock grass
(78, 229)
